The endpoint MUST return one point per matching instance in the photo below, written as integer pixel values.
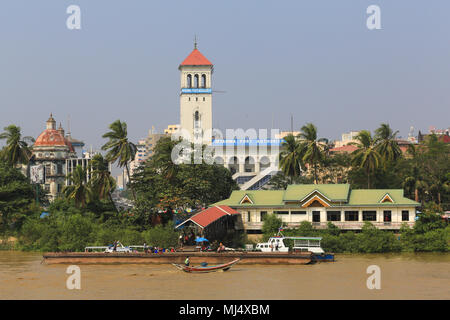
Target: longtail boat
(199, 269)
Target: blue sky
(315, 60)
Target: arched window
(196, 81)
(196, 119)
(203, 80)
(189, 81)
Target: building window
(189, 81)
(281, 212)
(196, 99)
(316, 216)
(405, 215)
(298, 212)
(369, 216)
(263, 215)
(387, 216)
(351, 215)
(196, 81)
(333, 216)
(204, 99)
(203, 80)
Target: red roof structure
(347, 149)
(196, 58)
(208, 216)
(50, 138)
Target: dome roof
(52, 138)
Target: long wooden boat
(201, 269)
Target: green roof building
(322, 203)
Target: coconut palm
(79, 189)
(387, 145)
(102, 183)
(16, 150)
(312, 147)
(290, 157)
(366, 156)
(119, 148)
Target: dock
(281, 258)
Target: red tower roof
(196, 58)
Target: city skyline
(316, 62)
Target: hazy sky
(316, 60)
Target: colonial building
(51, 149)
(319, 204)
(54, 151)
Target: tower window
(196, 99)
(196, 81)
(204, 99)
(189, 81)
(203, 80)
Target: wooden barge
(286, 258)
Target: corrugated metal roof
(208, 216)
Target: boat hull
(327, 257)
(222, 267)
(177, 258)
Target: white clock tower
(196, 97)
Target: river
(403, 276)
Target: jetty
(281, 258)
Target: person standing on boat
(186, 262)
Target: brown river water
(403, 276)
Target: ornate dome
(52, 138)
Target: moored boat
(206, 268)
(301, 244)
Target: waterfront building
(51, 149)
(58, 153)
(322, 203)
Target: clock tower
(196, 97)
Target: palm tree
(102, 183)
(16, 150)
(387, 145)
(312, 148)
(119, 148)
(79, 190)
(366, 156)
(290, 157)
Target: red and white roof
(196, 58)
(208, 216)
